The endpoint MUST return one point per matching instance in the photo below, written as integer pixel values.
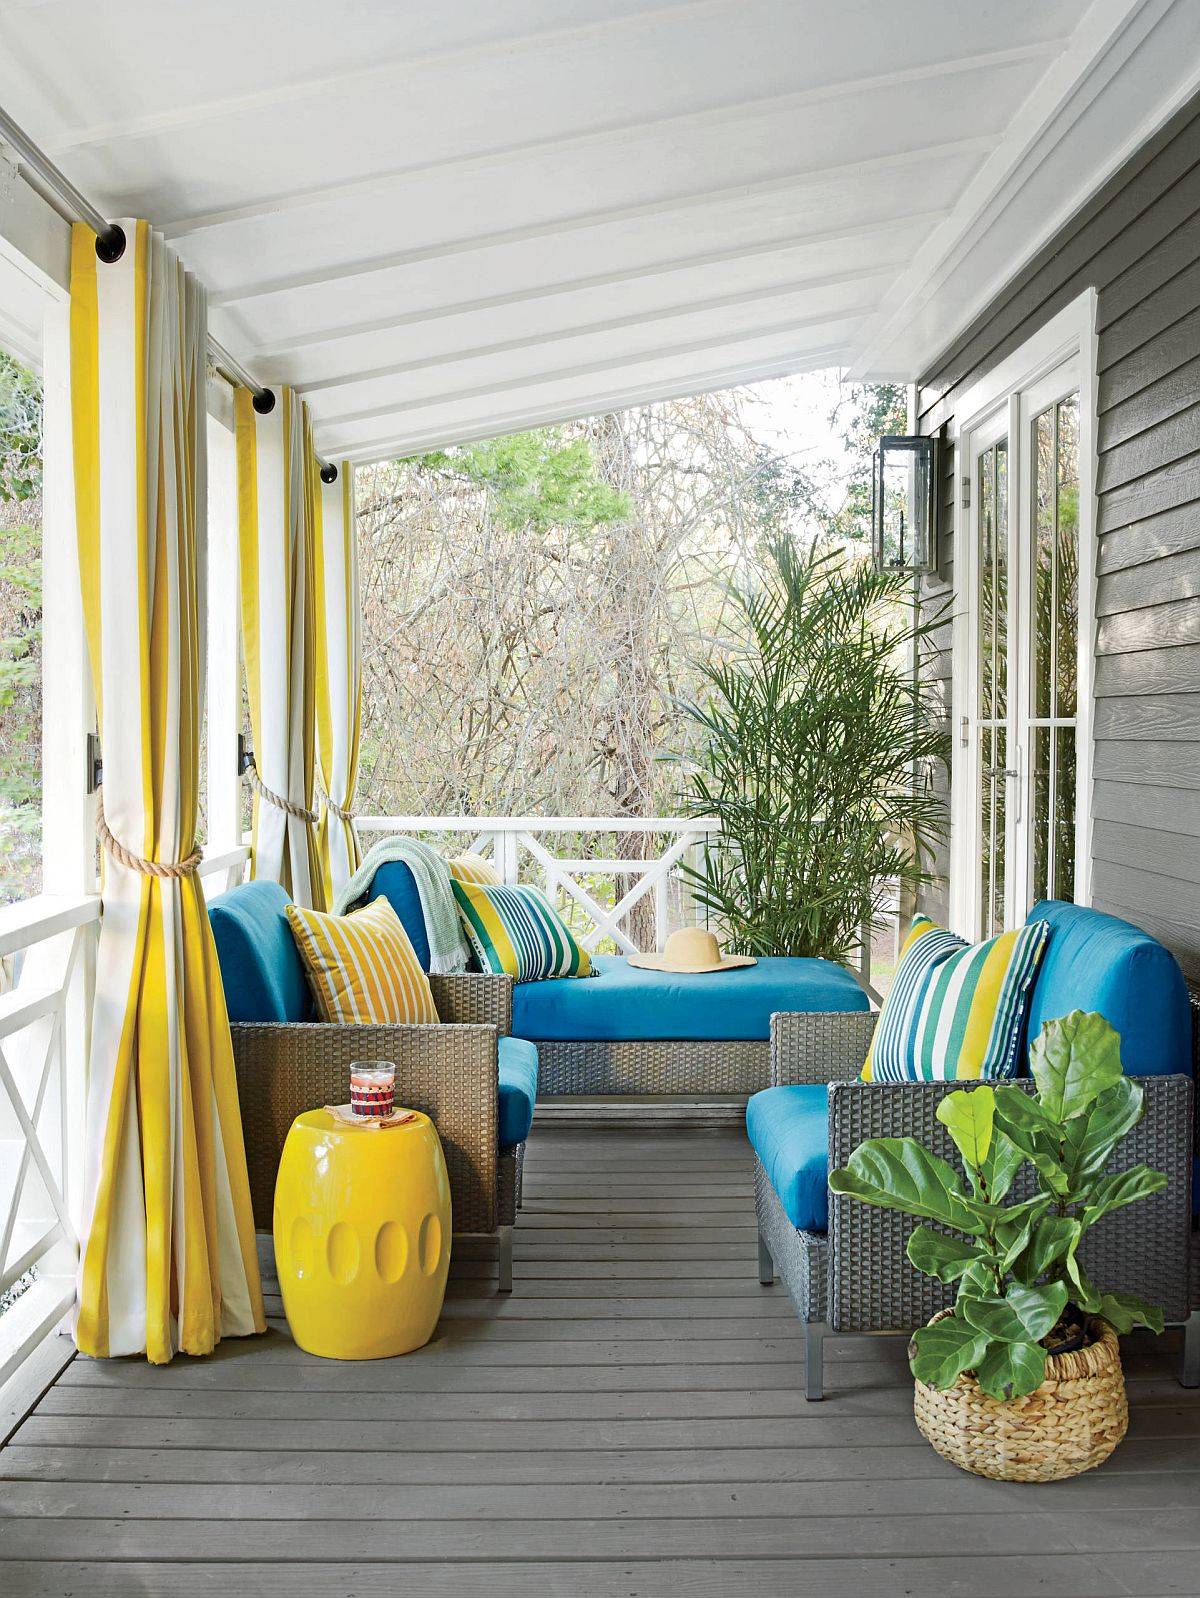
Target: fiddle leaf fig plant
(1022, 1291)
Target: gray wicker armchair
(448, 1071)
(856, 1277)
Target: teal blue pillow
(261, 970)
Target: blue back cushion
(1097, 962)
(395, 881)
(261, 970)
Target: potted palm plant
(817, 748)
(1021, 1380)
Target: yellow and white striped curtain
(339, 676)
(168, 1258)
(276, 515)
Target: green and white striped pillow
(517, 932)
(955, 1010)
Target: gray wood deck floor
(629, 1424)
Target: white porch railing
(43, 1040)
(521, 849)
(47, 964)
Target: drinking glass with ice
(372, 1087)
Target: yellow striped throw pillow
(955, 1011)
(361, 967)
(474, 869)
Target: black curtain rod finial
(329, 474)
(264, 403)
(110, 245)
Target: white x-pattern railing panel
(517, 843)
(47, 947)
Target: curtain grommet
(110, 246)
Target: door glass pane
(1043, 562)
(1066, 574)
(1054, 646)
(992, 489)
(1040, 776)
(987, 583)
(999, 813)
(987, 854)
(1064, 813)
(1001, 579)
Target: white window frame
(1070, 334)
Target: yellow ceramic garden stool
(362, 1235)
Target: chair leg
(766, 1265)
(506, 1259)
(1189, 1367)
(814, 1364)
(521, 1176)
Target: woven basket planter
(1070, 1424)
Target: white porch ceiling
(442, 221)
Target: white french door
(1023, 641)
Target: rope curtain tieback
(135, 862)
(277, 799)
(334, 808)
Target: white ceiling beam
(500, 423)
(34, 239)
(393, 260)
(200, 112)
(370, 185)
(277, 348)
(613, 363)
(652, 318)
(1098, 34)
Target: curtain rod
(74, 206)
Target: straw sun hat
(691, 949)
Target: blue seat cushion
(395, 881)
(518, 1090)
(261, 970)
(788, 1129)
(1095, 961)
(627, 1001)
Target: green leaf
(1083, 1289)
(897, 1173)
(978, 1280)
(1010, 1370)
(1009, 1215)
(1004, 1160)
(1039, 1138)
(1052, 1239)
(1092, 1138)
(968, 1116)
(1023, 1315)
(939, 1353)
(1121, 1188)
(937, 1255)
(1074, 1060)
(1124, 1311)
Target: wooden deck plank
(630, 1422)
(555, 1501)
(875, 1536)
(1001, 1576)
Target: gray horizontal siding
(1138, 244)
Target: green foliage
(20, 431)
(20, 629)
(866, 412)
(1016, 1265)
(537, 480)
(809, 731)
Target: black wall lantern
(904, 504)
